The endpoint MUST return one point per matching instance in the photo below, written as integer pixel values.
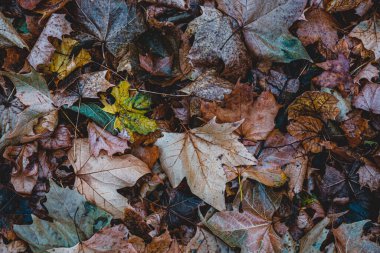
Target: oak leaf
(258, 114)
(199, 155)
(98, 178)
(315, 104)
(250, 230)
(100, 139)
(368, 98)
(265, 27)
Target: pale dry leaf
(296, 172)
(101, 139)
(98, 178)
(16, 246)
(8, 34)
(199, 154)
(180, 4)
(369, 175)
(205, 242)
(107, 240)
(214, 42)
(312, 241)
(368, 98)
(209, 86)
(42, 51)
(368, 32)
(368, 72)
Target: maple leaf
(43, 50)
(367, 31)
(114, 23)
(86, 86)
(8, 34)
(368, 98)
(63, 62)
(314, 103)
(100, 139)
(98, 178)
(250, 230)
(74, 220)
(199, 155)
(258, 114)
(265, 27)
(213, 40)
(130, 110)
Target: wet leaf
(8, 34)
(367, 31)
(368, 98)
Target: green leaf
(95, 112)
(74, 220)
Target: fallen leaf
(354, 127)
(367, 32)
(209, 86)
(8, 34)
(258, 114)
(257, 18)
(368, 72)
(369, 175)
(199, 156)
(61, 138)
(9, 109)
(100, 140)
(16, 246)
(296, 172)
(368, 98)
(314, 103)
(85, 86)
(98, 178)
(318, 26)
(214, 40)
(130, 110)
(312, 241)
(74, 220)
(250, 230)
(114, 23)
(47, 7)
(147, 154)
(43, 50)
(205, 242)
(336, 74)
(109, 239)
(62, 62)
(349, 238)
(180, 4)
(307, 130)
(341, 5)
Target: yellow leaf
(62, 62)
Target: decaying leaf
(209, 86)
(341, 5)
(350, 238)
(265, 27)
(354, 127)
(369, 175)
(63, 62)
(114, 23)
(318, 26)
(180, 4)
(43, 50)
(315, 104)
(296, 172)
(367, 31)
(369, 98)
(258, 114)
(8, 34)
(205, 242)
(74, 220)
(214, 41)
(109, 239)
(307, 130)
(16, 246)
(313, 240)
(61, 138)
(368, 72)
(199, 154)
(100, 140)
(98, 178)
(250, 230)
